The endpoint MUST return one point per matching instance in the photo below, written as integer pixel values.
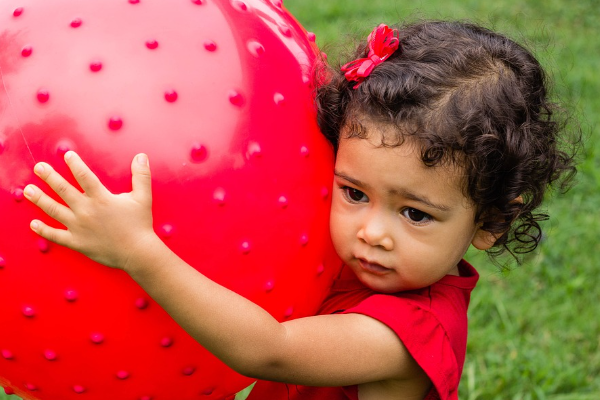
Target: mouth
(372, 267)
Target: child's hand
(107, 228)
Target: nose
(374, 231)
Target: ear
(484, 240)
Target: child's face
(398, 224)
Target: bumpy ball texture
(218, 94)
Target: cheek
(339, 228)
(463, 239)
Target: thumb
(141, 179)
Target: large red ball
(218, 94)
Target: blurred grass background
(534, 331)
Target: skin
(327, 350)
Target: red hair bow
(382, 44)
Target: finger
(59, 236)
(61, 187)
(141, 179)
(48, 205)
(88, 181)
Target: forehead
(361, 126)
(383, 133)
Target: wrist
(145, 254)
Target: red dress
(431, 322)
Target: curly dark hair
(471, 97)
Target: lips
(372, 267)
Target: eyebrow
(397, 192)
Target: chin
(378, 286)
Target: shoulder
(430, 318)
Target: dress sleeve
(423, 336)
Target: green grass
(534, 332)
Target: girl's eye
(355, 195)
(417, 216)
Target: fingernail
(68, 154)
(142, 159)
(28, 192)
(39, 168)
(34, 225)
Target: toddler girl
(444, 137)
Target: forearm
(234, 329)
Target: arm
(116, 230)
